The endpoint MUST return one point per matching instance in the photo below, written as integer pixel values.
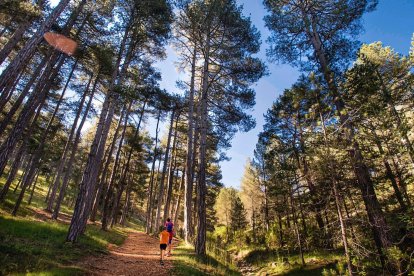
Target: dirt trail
(139, 255)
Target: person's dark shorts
(163, 246)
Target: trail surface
(139, 255)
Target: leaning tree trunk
(380, 228)
(14, 40)
(102, 187)
(74, 149)
(16, 105)
(125, 208)
(164, 172)
(17, 36)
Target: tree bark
(14, 40)
(56, 182)
(106, 212)
(295, 223)
(127, 165)
(151, 182)
(74, 149)
(180, 194)
(34, 187)
(188, 190)
(164, 172)
(16, 105)
(171, 169)
(12, 174)
(200, 245)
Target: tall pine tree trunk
(164, 172)
(13, 171)
(151, 182)
(171, 168)
(188, 190)
(200, 245)
(179, 196)
(106, 214)
(74, 148)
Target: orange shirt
(164, 235)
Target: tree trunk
(390, 175)
(200, 245)
(16, 105)
(164, 172)
(125, 208)
(401, 183)
(127, 165)
(74, 149)
(34, 187)
(171, 169)
(56, 182)
(337, 200)
(102, 187)
(177, 206)
(106, 213)
(6, 95)
(12, 174)
(151, 182)
(156, 178)
(295, 223)
(14, 40)
(188, 190)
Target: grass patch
(28, 246)
(31, 246)
(272, 262)
(39, 247)
(186, 262)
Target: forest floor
(139, 255)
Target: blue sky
(392, 23)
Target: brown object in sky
(61, 43)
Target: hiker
(164, 237)
(170, 229)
